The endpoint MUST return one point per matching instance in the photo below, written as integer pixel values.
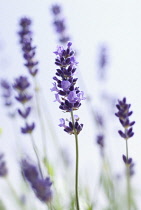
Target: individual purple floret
(41, 186)
(123, 114)
(21, 83)
(3, 169)
(6, 92)
(24, 113)
(59, 24)
(27, 46)
(28, 128)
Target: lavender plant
(69, 97)
(123, 114)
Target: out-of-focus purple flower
(27, 46)
(56, 9)
(41, 186)
(3, 168)
(29, 171)
(28, 128)
(24, 113)
(21, 83)
(6, 92)
(123, 114)
(102, 61)
(59, 24)
(100, 141)
(23, 98)
(130, 164)
(42, 189)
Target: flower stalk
(76, 162)
(123, 114)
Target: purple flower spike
(28, 49)
(71, 96)
(59, 24)
(67, 94)
(123, 114)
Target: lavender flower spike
(28, 49)
(123, 114)
(67, 94)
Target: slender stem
(36, 153)
(43, 132)
(128, 178)
(34, 148)
(77, 161)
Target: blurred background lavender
(106, 37)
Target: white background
(90, 24)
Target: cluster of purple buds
(41, 186)
(3, 168)
(7, 92)
(130, 164)
(123, 114)
(27, 46)
(59, 24)
(70, 128)
(21, 85)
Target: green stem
(43, 132)
(77, 161)
(128, 178)
(36, 153)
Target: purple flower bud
(21, 83)
(28, 128)
(25, 113)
